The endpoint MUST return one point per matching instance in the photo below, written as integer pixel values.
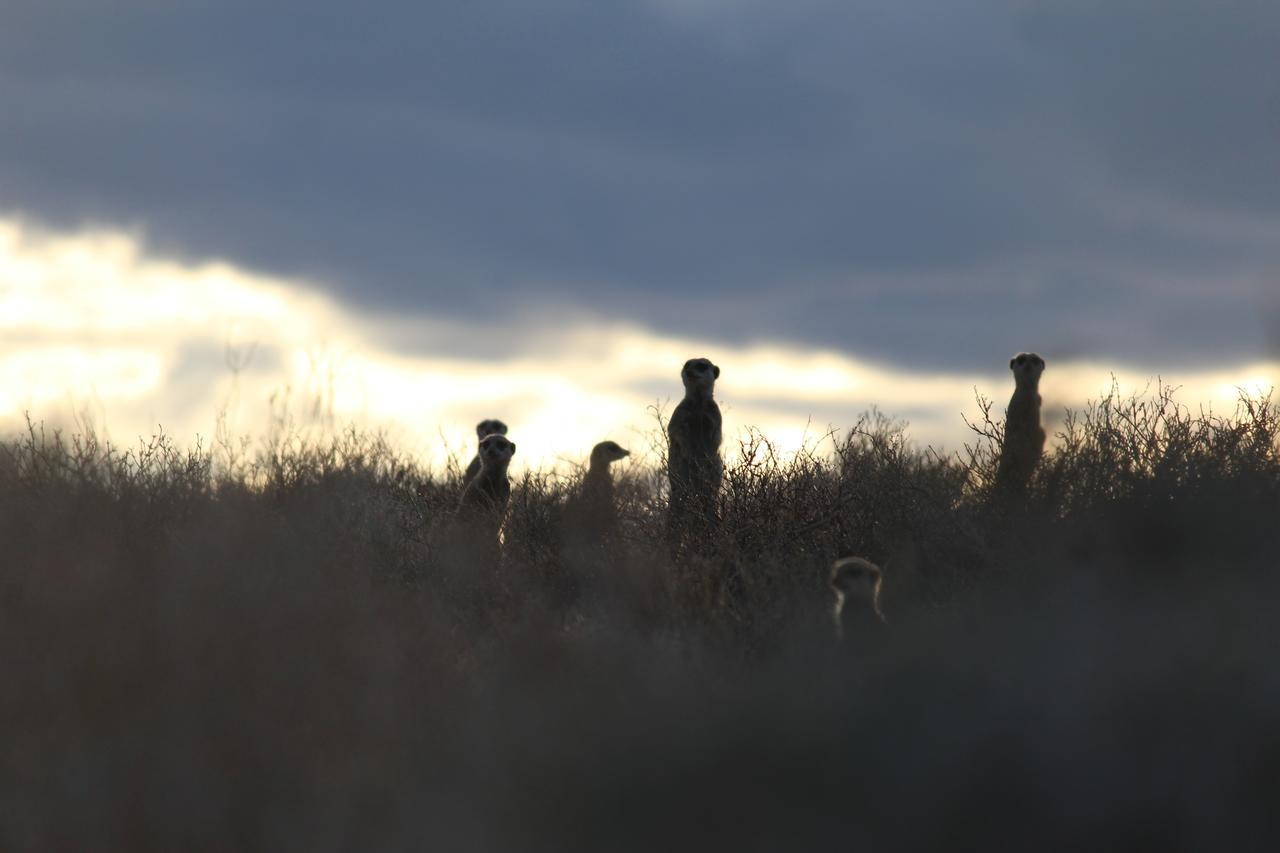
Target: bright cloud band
(92, 323)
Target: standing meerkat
(485, 497)
(490, 426)
(597, 485)
(591, 512)
(856, 585)
(1023, 434)
(694, 467)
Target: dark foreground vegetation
(204, 651)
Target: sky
(430, 213)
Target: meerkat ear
(513, 447)
(717, 371)
(1011, 361)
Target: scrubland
(271, 647)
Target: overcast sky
(930, 183)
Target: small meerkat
(487, 494)
(1023, 435)
(591, 511)
(597, 485)
(856, 584)
(489, 426)
(694, 467)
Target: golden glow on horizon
(91, 321)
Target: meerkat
(490, 426)
(1023, 435)
(485, 497)
(856, 585)
(591, 511)
(694, 467)
(597, 485)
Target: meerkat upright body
(856, 585)
(694, 467)
(597, 486)
(1023, 435)
(484, 500)
(491, 426)
(591, 514)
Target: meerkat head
(1026, 367)
(490, 426)
(606, 452)
(495, 449)
(699, 374)
(856, 583)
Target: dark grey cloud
(905, 181)
(1183, 97)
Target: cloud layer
(96, 325)
(928, 184)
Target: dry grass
(221, 649)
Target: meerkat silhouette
(593, 506)
(484, 501)
(856, 585)
(598, 483)
(1023, 435)
(694, 467)
(490, 426)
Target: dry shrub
(284, 653)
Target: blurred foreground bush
(280, 652)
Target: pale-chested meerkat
(484, 500)
(694, 467)
(1023, 434)
(856, 585)
(490, 426)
